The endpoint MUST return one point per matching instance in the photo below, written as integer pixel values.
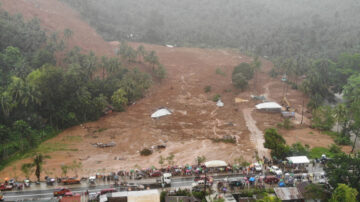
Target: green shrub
(220, 72)
(334, 149)
(145, 152)
(216, 97)
(239, 81)
(207, 89)
(273, 73)
(342, 140)
(323, 118)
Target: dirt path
(257, 136)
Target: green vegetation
(207, 89)
(323, 118)
(145, 152)
(277, 144)
(220, 72)
(344, 193)
(285, 124)
(216, 98)
(38, 99)
(200, 159)
(331, 151)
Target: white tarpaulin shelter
(161, 112)
(215, 164)
(219, 103)
(269, 106)
(298, 159)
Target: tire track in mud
(257, 136)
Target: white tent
(268, 105)
(298, 159)
(215, 164)
(219, 103)
(161, 112)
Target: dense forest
(39, 97)
(272, 28)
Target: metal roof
(288, 193)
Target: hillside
(195, 119)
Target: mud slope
(56, 16)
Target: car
(61, 191)
(275, 170)
(258, 167)
(105, 191)
(271, 180)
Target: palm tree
(152, 58)
(38, 161)
(141, 52)
(256, 65)
(104, 64)
(68, 33)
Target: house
(289, 194)
(132, 196)
(269, 107)
(181, 199)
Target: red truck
(6, 187)
(71, 181)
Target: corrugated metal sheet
(288, 193)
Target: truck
(164, 180)
(71, 181)
(6, 187)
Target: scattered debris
(84, 159)
(158, 147)
(103, 145)
(258, 97)
(240, 100)
(219, 103)
(161, 112)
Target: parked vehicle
(105, 191)
(275, 170)
(61, 191)
(50, 181)
(71, 181)
(6, 187)
(258, 167)
(271, 180)
(27, 183)
(92, 180)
